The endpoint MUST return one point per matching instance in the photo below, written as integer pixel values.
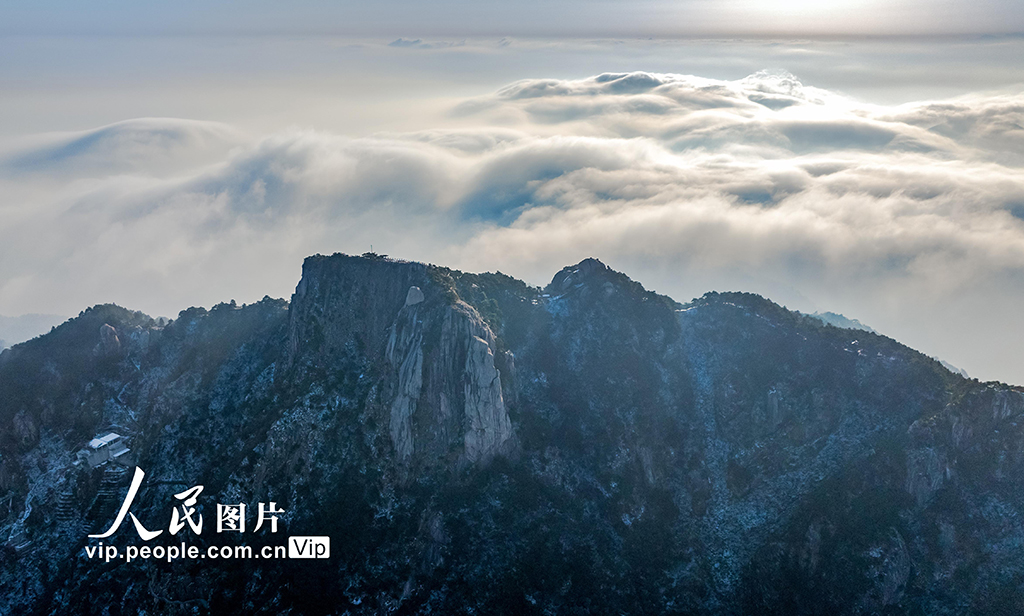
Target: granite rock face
(472, 444)
(110, 344)
(462, 397)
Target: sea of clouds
(908, 217)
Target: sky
(865, 159)
(557, 18)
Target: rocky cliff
(472, 444)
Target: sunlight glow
(810, 16)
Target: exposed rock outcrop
(414, 296)
(443, 394)
(486, 424)
(463, 397)
(405, 354)
(110, 344)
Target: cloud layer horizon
(909, 218)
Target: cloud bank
(909, 218)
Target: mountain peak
(591, 264)
(586, 271)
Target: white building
(103, 449)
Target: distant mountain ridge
(472, 444)
(834, 318)
(838, 320)
(14, 330)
